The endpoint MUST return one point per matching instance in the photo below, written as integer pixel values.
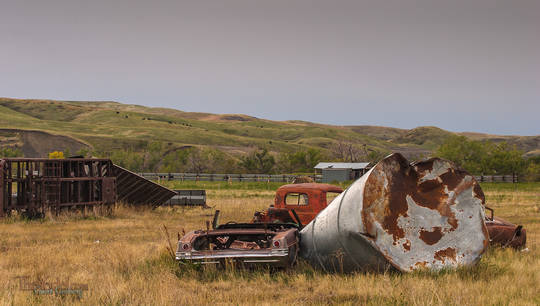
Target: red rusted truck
(298, 203)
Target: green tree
(532, 172)
(482, 157)
(260, 161)
(127, 159)
(221, 162)
(502, 158)
(464, 153)
(153, 156)
(300, 161)
(175, 160)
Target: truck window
(296, 199)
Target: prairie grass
(123, 259)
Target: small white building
(339, 172)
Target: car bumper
(274, 257)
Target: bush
(56, 155)
(10, 152)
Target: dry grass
(123, 260)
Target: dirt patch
(39, 144)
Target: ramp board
(136, 190)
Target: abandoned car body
(505, 234)
(427, 214)
(242, 244)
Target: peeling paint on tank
(431, 237)
(443, 255)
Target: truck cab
(307, 200)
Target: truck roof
(309, 186)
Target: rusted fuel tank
(427, 214)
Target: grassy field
(122, 259)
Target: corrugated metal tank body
(401, 216)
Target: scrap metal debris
(188, 197)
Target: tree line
(209, 160)
(489, 158)
(477, 157)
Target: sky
(461, 65)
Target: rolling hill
(41, 126)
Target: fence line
(224, 177)
(285, 178)
(509, 178)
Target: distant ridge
(107, 125)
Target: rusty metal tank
(428, 214)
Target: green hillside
(109, 126)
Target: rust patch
(421, 264)
(452, 179)
(277, 200)
(397, 204)
(431, 237)
(424, 166)
(446, 211)
(448, 253)
(429, 194)
(478, 193)
(373, 191)
(407, 245)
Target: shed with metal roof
(338, 171)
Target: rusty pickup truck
(298, 203)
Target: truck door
(300, 203)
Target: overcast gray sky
(462, 65)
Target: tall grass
(123, 259)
